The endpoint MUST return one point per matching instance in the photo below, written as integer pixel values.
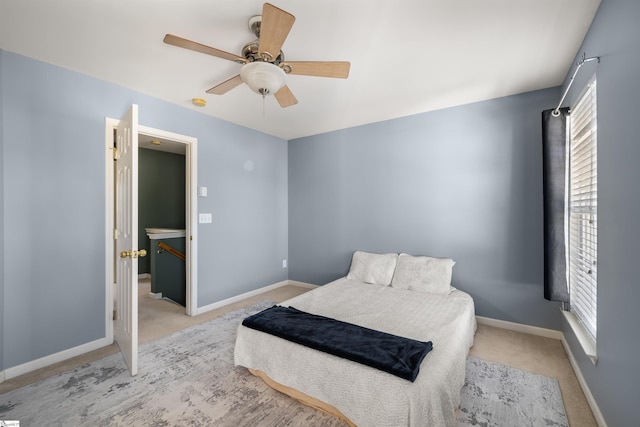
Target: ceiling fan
(264, 68)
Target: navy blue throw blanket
(390, 353)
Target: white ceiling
(407, 56)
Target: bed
(401, 295)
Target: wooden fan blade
(191, 45)
(285, 97)
(226, 86)
(274, 29)
(337, 69)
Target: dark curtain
(554, 149)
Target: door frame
(191, 216)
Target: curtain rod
(580, 63)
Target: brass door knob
(133, 254)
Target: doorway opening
(165, 144)
(162, 219)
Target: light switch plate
(202, 191)
(204, 218)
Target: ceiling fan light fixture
(264, 78)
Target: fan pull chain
(263, 104)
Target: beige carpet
(544, 356)
(188, 378)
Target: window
(583, 206)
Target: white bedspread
(367, 396)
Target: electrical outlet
(284, 263)
(204, 218)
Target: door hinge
(115, 234)
(116, 154)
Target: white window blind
(583, 207)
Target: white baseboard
(1, 377)
(54, 358)
(259, 291)
(144, 276)
(519, 327)
(597, 414)
(240, 297)
(551, 333)
(302, 284)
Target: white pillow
(423, 274)
(373, 268)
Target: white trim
(144, 276)
(586, 342)
(519, 327)
(240, 297)
(54, 358)
(303, 284)
(192, 215)
(1, 377)
(253, 293)
(551, 333)
(156, 295)
(109, 126)
(583, 383)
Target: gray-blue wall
(53, 164)
(2, 183)
(615, 37)
(464, 182)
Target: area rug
(499, 395)
(188, 379)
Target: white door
(126, 244)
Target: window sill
(585, 340)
